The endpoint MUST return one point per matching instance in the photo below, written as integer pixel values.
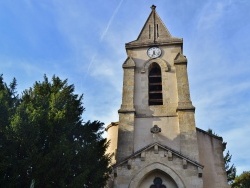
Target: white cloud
(103, 70)
(238, 144)
(108, 71)
(212, 12)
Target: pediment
(153, 23)
(154, 32)
(156, 146)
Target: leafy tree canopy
(44, 142)
(230, 168)
(242, 181)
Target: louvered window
(155, 85)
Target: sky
(84, 41)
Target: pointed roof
(154, 32)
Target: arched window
(155, 85)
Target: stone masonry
(158, 143)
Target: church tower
(156, 142)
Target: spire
(154, 31)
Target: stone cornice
(212, 135)
(185, 106)
(166, 42)
(111, 125)
(126, 111)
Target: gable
(154, 29)
(168, 152)
(154, 32)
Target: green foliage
(230, 169)
(8, 103)
(242, 181)
(45, 141)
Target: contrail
(111, 20)
(90, 63)
(103, 35)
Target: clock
(154, 52)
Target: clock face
(154, 52)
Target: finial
(153, 7)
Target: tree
(8, 102)
(242, 181)
(230, 169)
(50, 145)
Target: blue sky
(83, 41)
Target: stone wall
(140, 171)
(211, 156)
(112, 137)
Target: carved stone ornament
(158, 183)
(155, 129)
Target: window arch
(155, 85)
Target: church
(155, 143)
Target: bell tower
(156, 141)
(156, 92)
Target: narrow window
(149, 31)
(155, 85)
(157, 31)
